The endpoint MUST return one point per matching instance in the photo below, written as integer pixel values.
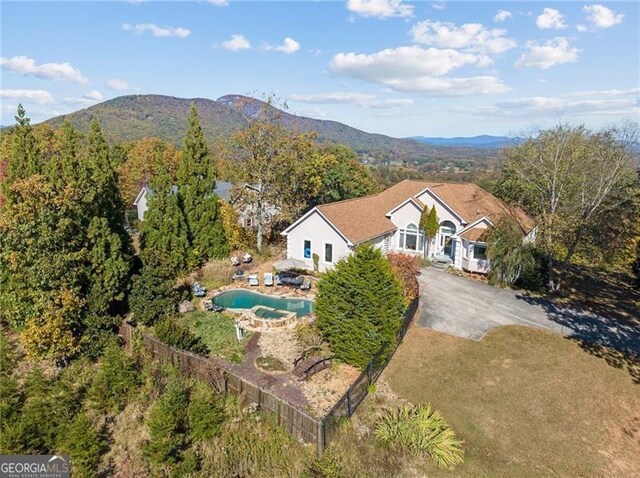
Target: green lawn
(218, 332)
(526, 402)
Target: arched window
(447, 228)
(411, 239)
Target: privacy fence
(298, 423)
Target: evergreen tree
(167, 425)
(196, 185)
(153, 294)
(205, 413)
(115, 381)
(25, 159)
(84, 445)
(360, 306)
(429, 225)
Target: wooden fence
(298, 423)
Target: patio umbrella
(289, 264)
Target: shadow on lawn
(602, 315)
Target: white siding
(444, 214)
(142, 206)
(319, 232)
(401, 218)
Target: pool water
(244, 299)
(269, 313)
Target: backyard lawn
(525, 401)
(218, 333)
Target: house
(225, 191)
(390, 221)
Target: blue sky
(388, 66)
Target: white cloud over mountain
(41, 97)
(50, 71)
(364, 100)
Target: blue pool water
(244, 299)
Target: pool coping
(217, 292)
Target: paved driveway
(468, 308)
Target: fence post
(349, 402)
(320, 437)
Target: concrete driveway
(469, 308)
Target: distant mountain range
(130, 118)
(483, 141)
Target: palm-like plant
(420, 429)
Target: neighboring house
(225, 191)
(390, 221)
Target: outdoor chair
(247, 258)
(253, 280)
(268, 279)
(306, 284)
(235, 261)
(238, 274)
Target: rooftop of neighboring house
(366, 217)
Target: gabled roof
(364, 218)
(222, 189)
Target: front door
(448, 246)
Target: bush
(420, 429)
(179, 336)
(84, 445)
(310, 340)
(360, 306)
(116, 380)
(205, 413)
(407, 269)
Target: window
(328, 252)
(248, 222)
(411, 239)
(480, 252)
(307, 249)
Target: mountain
(129, 118)
(483, 141)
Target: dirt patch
(281, 344)
(325, 388)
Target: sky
(386, 66)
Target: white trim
(324, 253)
(419, 232)
(411, 199)
(442, 203)
(309, 213)
(141, 194)
(474, 224)
(390, 231)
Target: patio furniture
(213, 307)
(247, 258)
(238, 274)
(235, 261)
(289, 278)
(253, 280)
(268, 279)
(306, 284)
(198, 290)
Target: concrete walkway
(469, 309)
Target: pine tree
(359, 306)
(205, 413)
(115, 381)
(153, 294)
(84, 445)
(196, 185)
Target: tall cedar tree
(25, 159)
(429, 224)
(196, 184)
(360, 306)
(153, 294)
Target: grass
(270, 364)
(218, 332)
(526, 402)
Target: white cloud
(219, 3)
(93, 95)
(550, 19)
(236, 43)
(502, 15)
(360, 99)
(380, 8)
(605, 103)
(156, 31)
(470, 36)
(311, 112)
(50, 71)
(581, 28)
(601, 16)
(117, 85)
(289, 45)
(553, 52)
(41, 97)
(438, 6)
(416, 70)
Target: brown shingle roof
(475, 234)
(365, 218)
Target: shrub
(420, 429)
(407, 269)
(153, 294)
(115, 381)
(359, 306)
(310, 340)
(84, 445)
(205, 413)
(179, 336)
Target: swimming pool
(245, 299)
